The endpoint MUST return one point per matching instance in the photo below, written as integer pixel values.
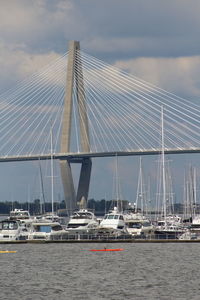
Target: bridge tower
(75, 81)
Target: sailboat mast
(52, 172)
(163, 165)
(117, 182)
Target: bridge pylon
(75, 82)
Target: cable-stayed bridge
(92, 110)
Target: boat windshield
(20, 214)
(111, 217)
(135, 225)
(82, 215)
(8, 225)
(43, 228)
(146, 224)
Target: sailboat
(138, 225)
(171, 226)
(113, 222)
(50, 216)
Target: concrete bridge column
(75, 77)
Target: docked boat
(171, 227)
(46, 230)
(114, 220)
(138, 225)
(11, 230)
(19, 214)
(81, 221)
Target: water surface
(71, 271)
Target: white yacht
(11, 230)
(114, 220)
(170, 227)
(192, 232)
(46, 230)
(52, 218)
(138, 225)
(81, 221)
(23, 217)
(19, 214)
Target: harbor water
(71, 271)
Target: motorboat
(138, 225)
(113, 220)
(11, 230)
(81, 221)
(19, 214)
(52, 218)
(171, 227)
(46, 230)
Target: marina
(99, 150)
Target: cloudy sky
(155, 40)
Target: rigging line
(75, 120)
(109, 124)
(29, 109)
(127, 124)
(31, 85)
(81, 106)
(147, 115)
(46, 141)
(100, 127)
(94, 97)
(125, 113)
(98, 124)
(58, 96)
(25, 108)
(93, 148)
(154, 99)
(31, 77)
(170, 112)
(184, 134)
(97, 108)
(24, 124)
(43, 119)
(141, 81)
(121, 104)
(173, 108)
(33, 132)
(92, 126)
(60, 124)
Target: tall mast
(163, 165)
(52, 171)
(117, 182)
(140, 189)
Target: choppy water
(70, 271)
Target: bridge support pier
(75, 79)
(84, 180)
(68, 185)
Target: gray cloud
(130, 27)
(156, 40)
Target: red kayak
(119, 249)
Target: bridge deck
(77, 157)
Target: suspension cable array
(124, 112)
